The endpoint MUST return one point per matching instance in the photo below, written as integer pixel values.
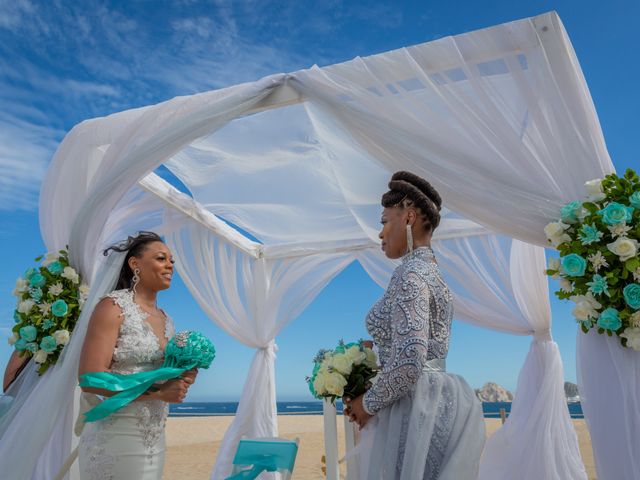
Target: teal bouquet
(186, 350)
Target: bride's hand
(357, 413)
(172, 391)
(190, 376)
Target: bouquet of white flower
(342, 372)
(50, 298)
(599, 265)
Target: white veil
(35, 432)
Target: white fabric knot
(542, 335)
(271, 347)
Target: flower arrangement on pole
(599, 264)
(50, 298)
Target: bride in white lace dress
(127, 334)
(423, 423)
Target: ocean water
(491, 409)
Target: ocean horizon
(207, 409)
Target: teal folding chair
(258, 455)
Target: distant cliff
(571, 392)
(492, 392)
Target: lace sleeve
(409, 344)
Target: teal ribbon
(129, 387)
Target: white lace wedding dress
(129, 444)
(427, 423)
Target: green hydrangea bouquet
(50, 298)
(342, 372)
(599, 264)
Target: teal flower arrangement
(185, 350)
(599, 265)
(49, 301)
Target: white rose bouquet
(342, 372)
(599, 265)
(50, 298)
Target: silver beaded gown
(129, 444)
(427, 423)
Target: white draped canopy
(499, 120)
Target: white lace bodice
(137, 348)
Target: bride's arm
(410, 345)
(100, 341)
(97, 354)
(14, 366)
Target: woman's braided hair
(407, 189)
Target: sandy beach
(193, 442)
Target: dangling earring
(409, 239)
(135, 280)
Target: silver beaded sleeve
(399, 323)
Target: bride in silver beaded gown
(420, 422)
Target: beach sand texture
(193, 442)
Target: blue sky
(64, 61)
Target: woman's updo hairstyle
(134, 246)
(407, 189)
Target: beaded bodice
(137, 348)
(410, 324)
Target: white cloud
(25, 151)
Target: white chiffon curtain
(252, 299)
(499, 120)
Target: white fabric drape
(36, 432)
(251, 299)
(609, 386)
(496, 114)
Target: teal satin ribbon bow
(186, 350)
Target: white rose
(632, 334)
(71, 274)
(21, 286)
(371, 360)
(555, 229)
(50, 258)
(335, 383)
(25, 306)
(555, 241)
(56, 289)
(589, 298)
(583, 311)
(319, 382)
(342, 363)
(566, 285)
(13, 338)
(625, 248)
(355, 355)
(40, 356)
(594, 190)
(61, 337)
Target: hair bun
(421, 184)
